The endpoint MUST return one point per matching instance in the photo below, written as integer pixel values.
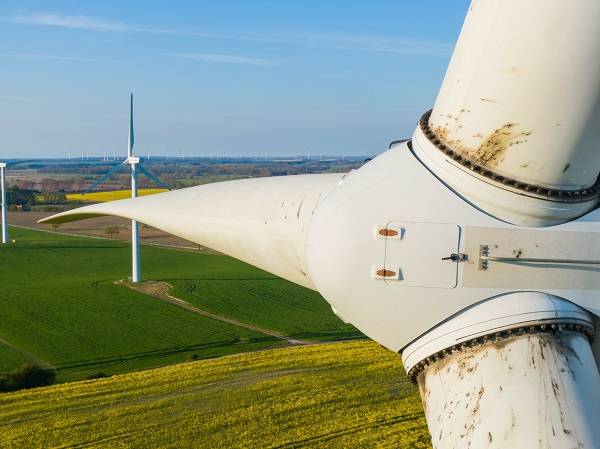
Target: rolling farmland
(291, 310)
(328, 396)
(60, 307)
(101, 197)
(96, 227)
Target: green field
(59, 306)
(270, 303)
(327, 396)
(110, 195)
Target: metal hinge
(383, 273)
(385, 232)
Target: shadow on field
(164, 352)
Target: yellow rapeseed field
(343, 395)
(100, 197)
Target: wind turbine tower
(133, 161)
(4, 205)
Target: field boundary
(162, 290)
(84, 236)
(32, 357)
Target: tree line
(17, 197)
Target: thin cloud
(81, 22)
(56, 58)
(64, 21)
(367, 43)
(222, 59)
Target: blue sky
(227, 77)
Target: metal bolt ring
(563, 196)
(553, 329)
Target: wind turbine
(471, 249)
(4, 205)
(136, 165)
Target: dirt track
(162, 291)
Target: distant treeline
(196, 168)
(75, 177)
(24, 199)
(72, 177)
(71, 183)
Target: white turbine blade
(103, 178)
(131, 135)
(152, 177)
(260, 221)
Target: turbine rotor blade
(152, 177)
(103, 178)
(131, 134)
(261, 221)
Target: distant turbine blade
(131, 136)
(103, 178)
(152, 177)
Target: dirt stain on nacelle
(492, 150)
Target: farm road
(162, 291)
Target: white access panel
(415, 254)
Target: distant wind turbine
(135, 164)
(4, 205)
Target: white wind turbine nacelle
(462, 248)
